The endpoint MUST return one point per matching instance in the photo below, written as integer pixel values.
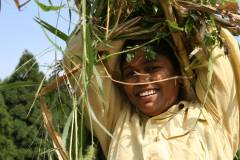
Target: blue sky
(19, 32)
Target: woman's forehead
(141, 59)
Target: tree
(22, 133)
(8, 150)
(27, 132)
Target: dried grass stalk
(181, 51)
(56, 139)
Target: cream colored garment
(187, 131)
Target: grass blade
(66, 129)
(70, 16)
(52, 29)
(57, 142)
(15, 85)
(48, 8)
(209, 77)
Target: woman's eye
(130, 74)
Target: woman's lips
(147, 92)
(147, 95)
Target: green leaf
(52, 29)
(90, 52)
(210, 72)
(189, 23)
(66, 129)
(15, 85)
(98, 80)
(129, 57)
(173, 26)
(209, 77)
(210, 38)
(212, 2)
(150, 53)
(91, 153)
(48, 8)
(238, 154)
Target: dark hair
(161, 47)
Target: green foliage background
(22, 134)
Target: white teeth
(147, 93)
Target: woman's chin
(149, 109)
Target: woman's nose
(142, 78)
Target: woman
(155, 122)
(154, 98)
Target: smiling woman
(151, 98)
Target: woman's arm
(220, 98)
(105, 103)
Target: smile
(147, 93)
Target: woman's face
(155, 98)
